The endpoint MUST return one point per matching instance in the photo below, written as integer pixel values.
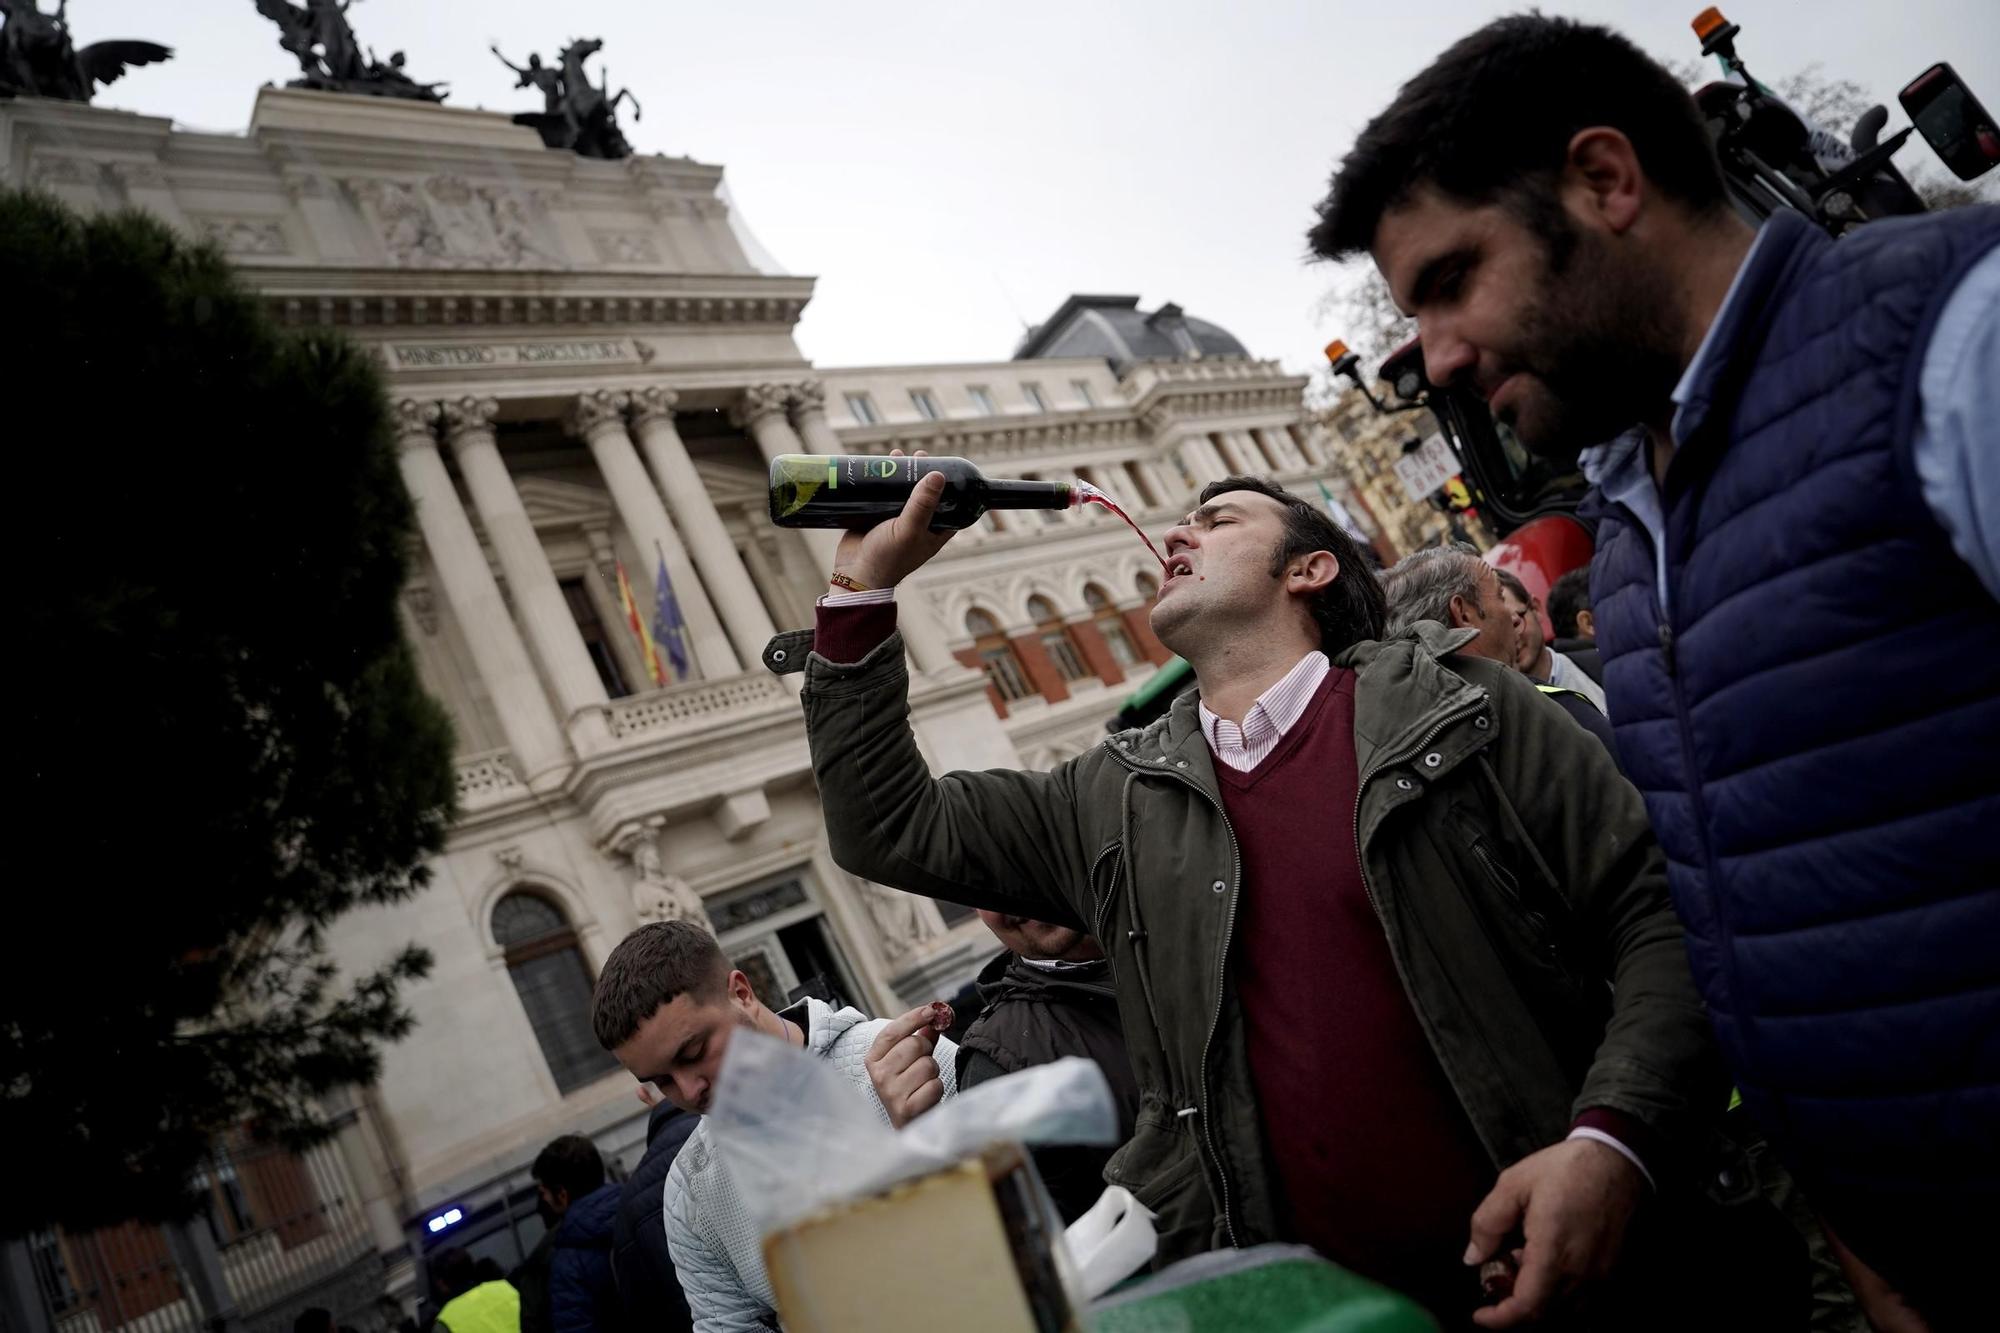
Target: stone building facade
(590, 375)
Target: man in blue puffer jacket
(1795, 585)
(583, 1295)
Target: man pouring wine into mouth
(1391, 937)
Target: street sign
(1425, 469)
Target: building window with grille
(997, 658)
(926, 405)
(1056, 640)
(596, 640)
(982, 400)
(1111, 624)
(548, 970)
(862, 409)
(1033, 393)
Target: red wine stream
(1091, 495)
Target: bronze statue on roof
(576, 114)
(38, 59)
(319, 37)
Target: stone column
(598, 418)
(1203, 460)
(1242, 451)
(1278, 444)
(808, 402)
(552, 634)
(762, 412)
(743, 614)
(532, 729)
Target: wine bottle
(859, 491)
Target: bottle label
(798, 479)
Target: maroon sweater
(1378, 1163)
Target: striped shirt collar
(1275, 712)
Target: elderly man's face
(1528, 637)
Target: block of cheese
(967, 1248)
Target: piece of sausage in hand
(900, 1062)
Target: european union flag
(669, 630)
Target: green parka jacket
(1513, 870)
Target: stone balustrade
(488, 777)
(678, 707)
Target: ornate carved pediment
(731, 487)
(562, 504)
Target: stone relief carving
(900, 920)
(445, 221)
(417, 419)
(625, 247)
(596, 410)
(246, 236)
(54, 170)
(808, 396)
(760, 401)
(138, 175)
(653, 402)
(656, 895)
(469, 414)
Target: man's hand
(900, 1066)
(890, 552)
(1571, 1204)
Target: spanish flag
(654, 667)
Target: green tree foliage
(222, 735)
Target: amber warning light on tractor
(1708, 21)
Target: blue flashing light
(450, 1217)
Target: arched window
(1111, 625)
(1056, 640)
(548, 970)
(1148, 586)
(996, 657)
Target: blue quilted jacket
(1813, 714)
(583, 1296)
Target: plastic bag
(797, 1135)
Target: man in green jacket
(1391, 936)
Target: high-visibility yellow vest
(490, 1307)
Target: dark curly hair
(1349, 610)
(1491, 119)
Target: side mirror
(1951, 119)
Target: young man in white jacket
(667, 1004)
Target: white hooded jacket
(717, 1252)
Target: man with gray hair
(1451, 585)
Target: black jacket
(1034, 1016)
(647, 1285)
(1584, 653)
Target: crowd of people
(1655, 959)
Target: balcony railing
(680, 707)
(488, 777)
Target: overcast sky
(948, 170)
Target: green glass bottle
(859, 491)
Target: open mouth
(1178, 566)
